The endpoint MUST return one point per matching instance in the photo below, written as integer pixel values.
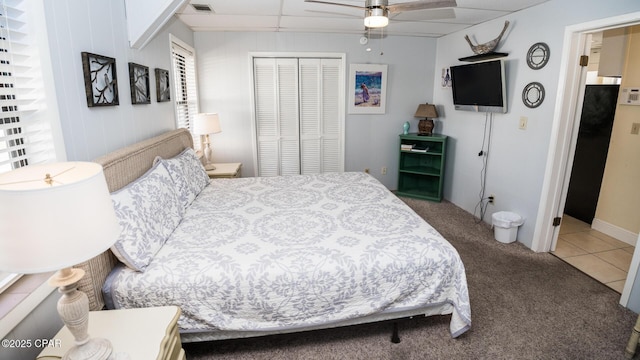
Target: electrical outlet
(383, 171)
(366, 170)
(492, 199)
(635, 128)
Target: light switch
(635, 128)
(523, 123)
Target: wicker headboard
(120, 168)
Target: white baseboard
(615, 232)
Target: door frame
(564, 134)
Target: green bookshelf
(421, 168)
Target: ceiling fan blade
(432, 14)
(333, 3)
(421, 5)
(334, 13)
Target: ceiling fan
(377, 11)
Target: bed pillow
(188, 174)
(148, 211)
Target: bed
(258, 256)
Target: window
(25, 126)
(184, 82)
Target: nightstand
(225, 170)
(145, 333)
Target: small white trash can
(505, 226)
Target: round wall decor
(538, 55)
(533, 94)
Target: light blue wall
(517, 160)
(100, 27)
(371, 140)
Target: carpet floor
(524, 305)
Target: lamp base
(73, 308)
(95, 349)
(425, 127)
(208, 155)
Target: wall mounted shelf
(487, 56)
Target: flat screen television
(479, 87)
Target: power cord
(484, 152)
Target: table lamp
(205, 124)
(426, 111)
(54, 216)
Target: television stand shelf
(421, 167)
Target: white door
(320, 125)
(276, 116)
(299, 115)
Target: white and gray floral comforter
(262, 254)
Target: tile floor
(598, 255)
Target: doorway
(593, 252)
(592, 147)
(564, 135)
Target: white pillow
(148, 210)
(188, 174)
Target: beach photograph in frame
(367, 88)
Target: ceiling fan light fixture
(376, 18)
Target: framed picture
(367, 88)
(100, 80)
(163, 92)
(446, 78)
(139, 82)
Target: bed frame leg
(395, 338)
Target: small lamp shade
(426, 125)
(426, 111)
(54, 216)
(205, 124)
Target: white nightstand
(146, 333)
(225, 170)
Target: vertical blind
(25, 133)
(186, 90)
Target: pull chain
(381, 40)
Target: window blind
(25, 132)
(25, 137)
(186, 90)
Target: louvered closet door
(298, 114)
(320, 123)
(276, 113)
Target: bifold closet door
(298, 115)
(320, 124)
(276, 116)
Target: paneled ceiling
(301, 16)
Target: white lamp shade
(45, 227)
(204, 124)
